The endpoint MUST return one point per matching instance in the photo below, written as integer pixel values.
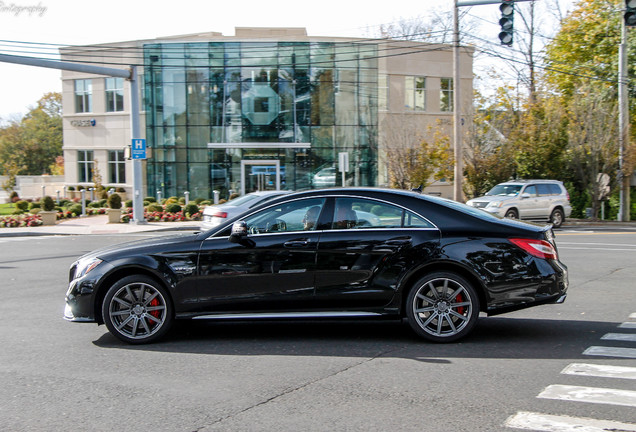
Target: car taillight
(220, 215)
(537, 248)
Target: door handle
(399, 241)
(296, 243)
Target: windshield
(505, 190)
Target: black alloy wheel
(557, 218)
(137, 309)
(442, 307)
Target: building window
(383, 92)
(114, 94)
(415, 93)
(116, 166)
(446, 94)
(83, 96)
(85, 166)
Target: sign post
(343, 165)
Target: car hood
(131, 247)
(491, 198)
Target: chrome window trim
(432, 228)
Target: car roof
(525, 181)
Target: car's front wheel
(557, 218)
(512, 214)
(137, 309)
(442, 307)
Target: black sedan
(354, 252)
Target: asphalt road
(339, 376)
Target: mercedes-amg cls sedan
(346, 252)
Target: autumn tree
(415, 154)
(592, 139)
(30, 145)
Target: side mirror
(525, 196)
(239, 231)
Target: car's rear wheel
(557, 218)
(137, 309)
(512, 214)
(442, 307)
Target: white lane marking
(599, 244)
(590, 395)
(628, 325)
(602, 371)
(611, 352)
(593, 248)
(628, 337)
(553, 423)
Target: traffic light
(507, 8)
(630, 13)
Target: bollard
(57, 192)
(159, 197)
(216, 196)
(92, 194)
(83, 191)
(43, 191)
(187, 197)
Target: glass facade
(234, 115)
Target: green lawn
(6, 209)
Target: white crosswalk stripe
(597, 395)
(552, 423)
(627, 337)
(604, 351)
(602, 371)
(590, 395)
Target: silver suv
(541, 200)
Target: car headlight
(495, 204)
(85, 265)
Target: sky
(81, 22)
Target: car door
(544, 200)
(272, 268)
(370, 246)
(528, 202)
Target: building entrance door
(260, 175)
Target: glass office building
(244, 116)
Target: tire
(442, 307)
(512, 214)
(557, 218)
(137, 310)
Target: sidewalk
(97, 225)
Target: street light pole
(625, 171)
(457, 138)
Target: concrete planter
(48, 217)
(114, 215)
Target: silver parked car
(216, 214)
(538, 200)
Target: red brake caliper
(459, 299)
(155, 313)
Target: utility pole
(458, 145)
(624, 170)
(131, 75)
